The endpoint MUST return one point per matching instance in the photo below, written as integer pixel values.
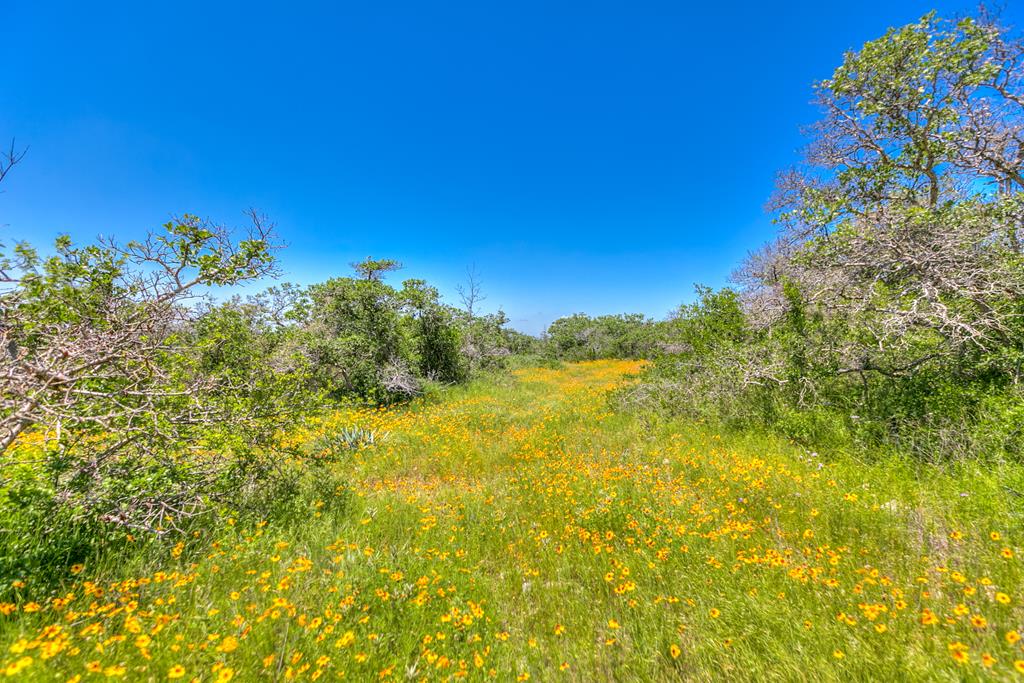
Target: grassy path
(521, 530)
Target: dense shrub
(132, 403)
(582, 337)
(123, 406)
(890, 310)
(367, 339)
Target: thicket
(133, 402)
(888, 311)
(582, 337)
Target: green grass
(519, 527)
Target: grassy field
(520, 529)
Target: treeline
(582, 337)
(889, 311)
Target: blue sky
(597, 157)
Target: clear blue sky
(597, 157)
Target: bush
(889, 313)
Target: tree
(484, 338)
(891, 304)
(905, 219)
(374, 270)
(98, 363)
(471, 294)
(10, 158)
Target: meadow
(811, 471)
(520, 528)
